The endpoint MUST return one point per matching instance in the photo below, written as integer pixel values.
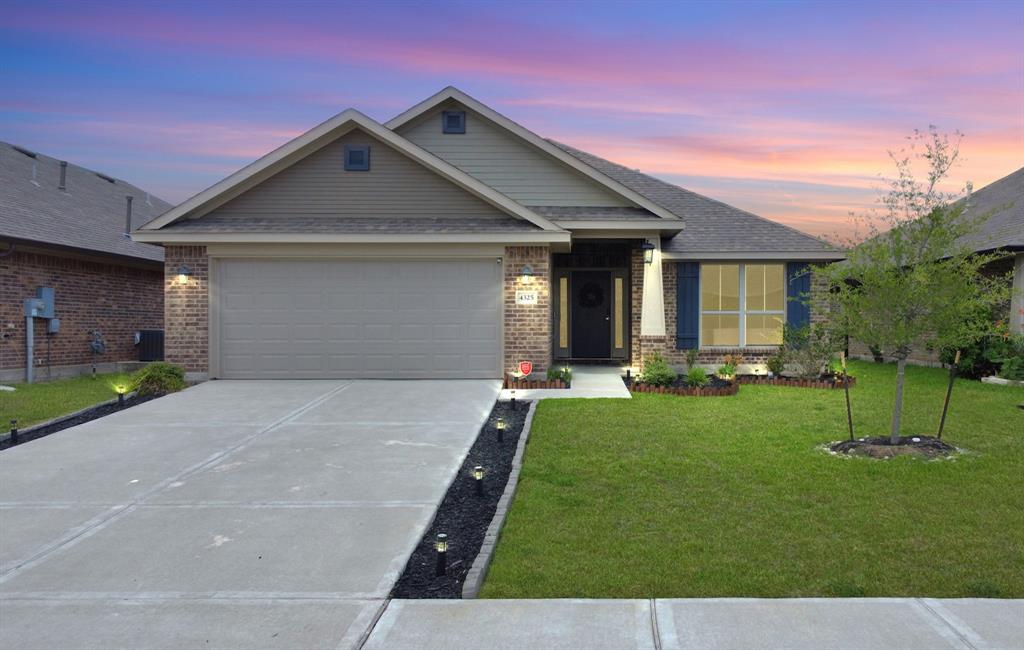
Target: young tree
(914, 280)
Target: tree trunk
(897, 407)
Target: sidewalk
(726, 623)
(587, 381)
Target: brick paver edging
(732, 389)
(477, 573)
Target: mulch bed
(526, 384)
(881, 447)
(463, 515)
(716, 387)
(39, 431)
(825, 381)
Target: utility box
(151, 345)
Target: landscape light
(120, 389)
(441, 546)
(14, 432)
(500, 427)
(512, 400)
(183, 274)
(478, 474)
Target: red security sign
(525, 368)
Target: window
(453, 121)
(357, 158)
(742, 304)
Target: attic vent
(30, 154)
(453, 121)
(105, 177)
(357, 158)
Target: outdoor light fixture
(183, 274)
(526, 275)
(648, 249)
(120, 389)
(478, 474)
(500, 427)
(14, 433)
(512, 398)
(441, 546)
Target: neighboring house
(64, 227)
(453, 242)
(1002, 230)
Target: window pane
(764, 329)
(720, 287)
(755, 287)
(720, 329)
(774, 287)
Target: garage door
(359, 318)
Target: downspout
(29, 347)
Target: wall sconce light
(183, 274)
(648, 249)
(478, 475)
(441, 546)
(526, 275)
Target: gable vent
(453, 121)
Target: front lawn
(663, 496)
(38, 402)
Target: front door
(591, 314)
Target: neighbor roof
(712, 227)
(88, 215)
(1003, 201)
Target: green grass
(663, 496)
(34, 403)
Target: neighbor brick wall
(114, 299)
(527, 327)
(187, 336)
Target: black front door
(591, 314)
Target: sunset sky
(785, 110)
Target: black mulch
(714, 381)
(882, 447)
(86, 416)
(463, 515)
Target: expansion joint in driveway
(115, 513)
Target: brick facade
(90, 295)
(187, 339)
(527, 327)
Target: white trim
(625, 224)
(652, 306)
(319, 136)
(540, 143)
(511, 238)
(785, 256)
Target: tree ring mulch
(88, 414)
(881, 447)
(464, 516)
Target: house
(63, 228)
(1001, 203)
(453, 242)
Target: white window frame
(742, 306)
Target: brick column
(527, 327)
(186, 310)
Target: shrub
(697, 377)
(1011, 366)
(776, 363)
(158, 378)
(691, 358)
(727, 370)
(563, 373)
(811, 348)
(657, 372)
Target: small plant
(657, 372)
(562, 374)
(727, 370)
(1011, 366)
(697, 377)
(776, 363)
(691, 358)
(733, 360)
(810, 348)
(158, 378)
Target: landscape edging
(62, 418)
(793, 382)
(475, 577)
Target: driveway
(241, 514)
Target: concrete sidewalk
(587, 382)
(726, 623)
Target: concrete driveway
(241, 514)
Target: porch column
(652, 313)
(1017, 301)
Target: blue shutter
(798, 287)
(687, 305)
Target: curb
(475, 577)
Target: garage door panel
(359, 318)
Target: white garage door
(354, 318)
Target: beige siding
(394, 186)
(506, 163)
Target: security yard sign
(525, 368)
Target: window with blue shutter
(798, 289)
(687, 305)
(357, 158)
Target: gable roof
(88, 215)
(452, 93)
(1004, 200)
(712, 227)
(312, 140)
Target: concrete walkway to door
(241, 514)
